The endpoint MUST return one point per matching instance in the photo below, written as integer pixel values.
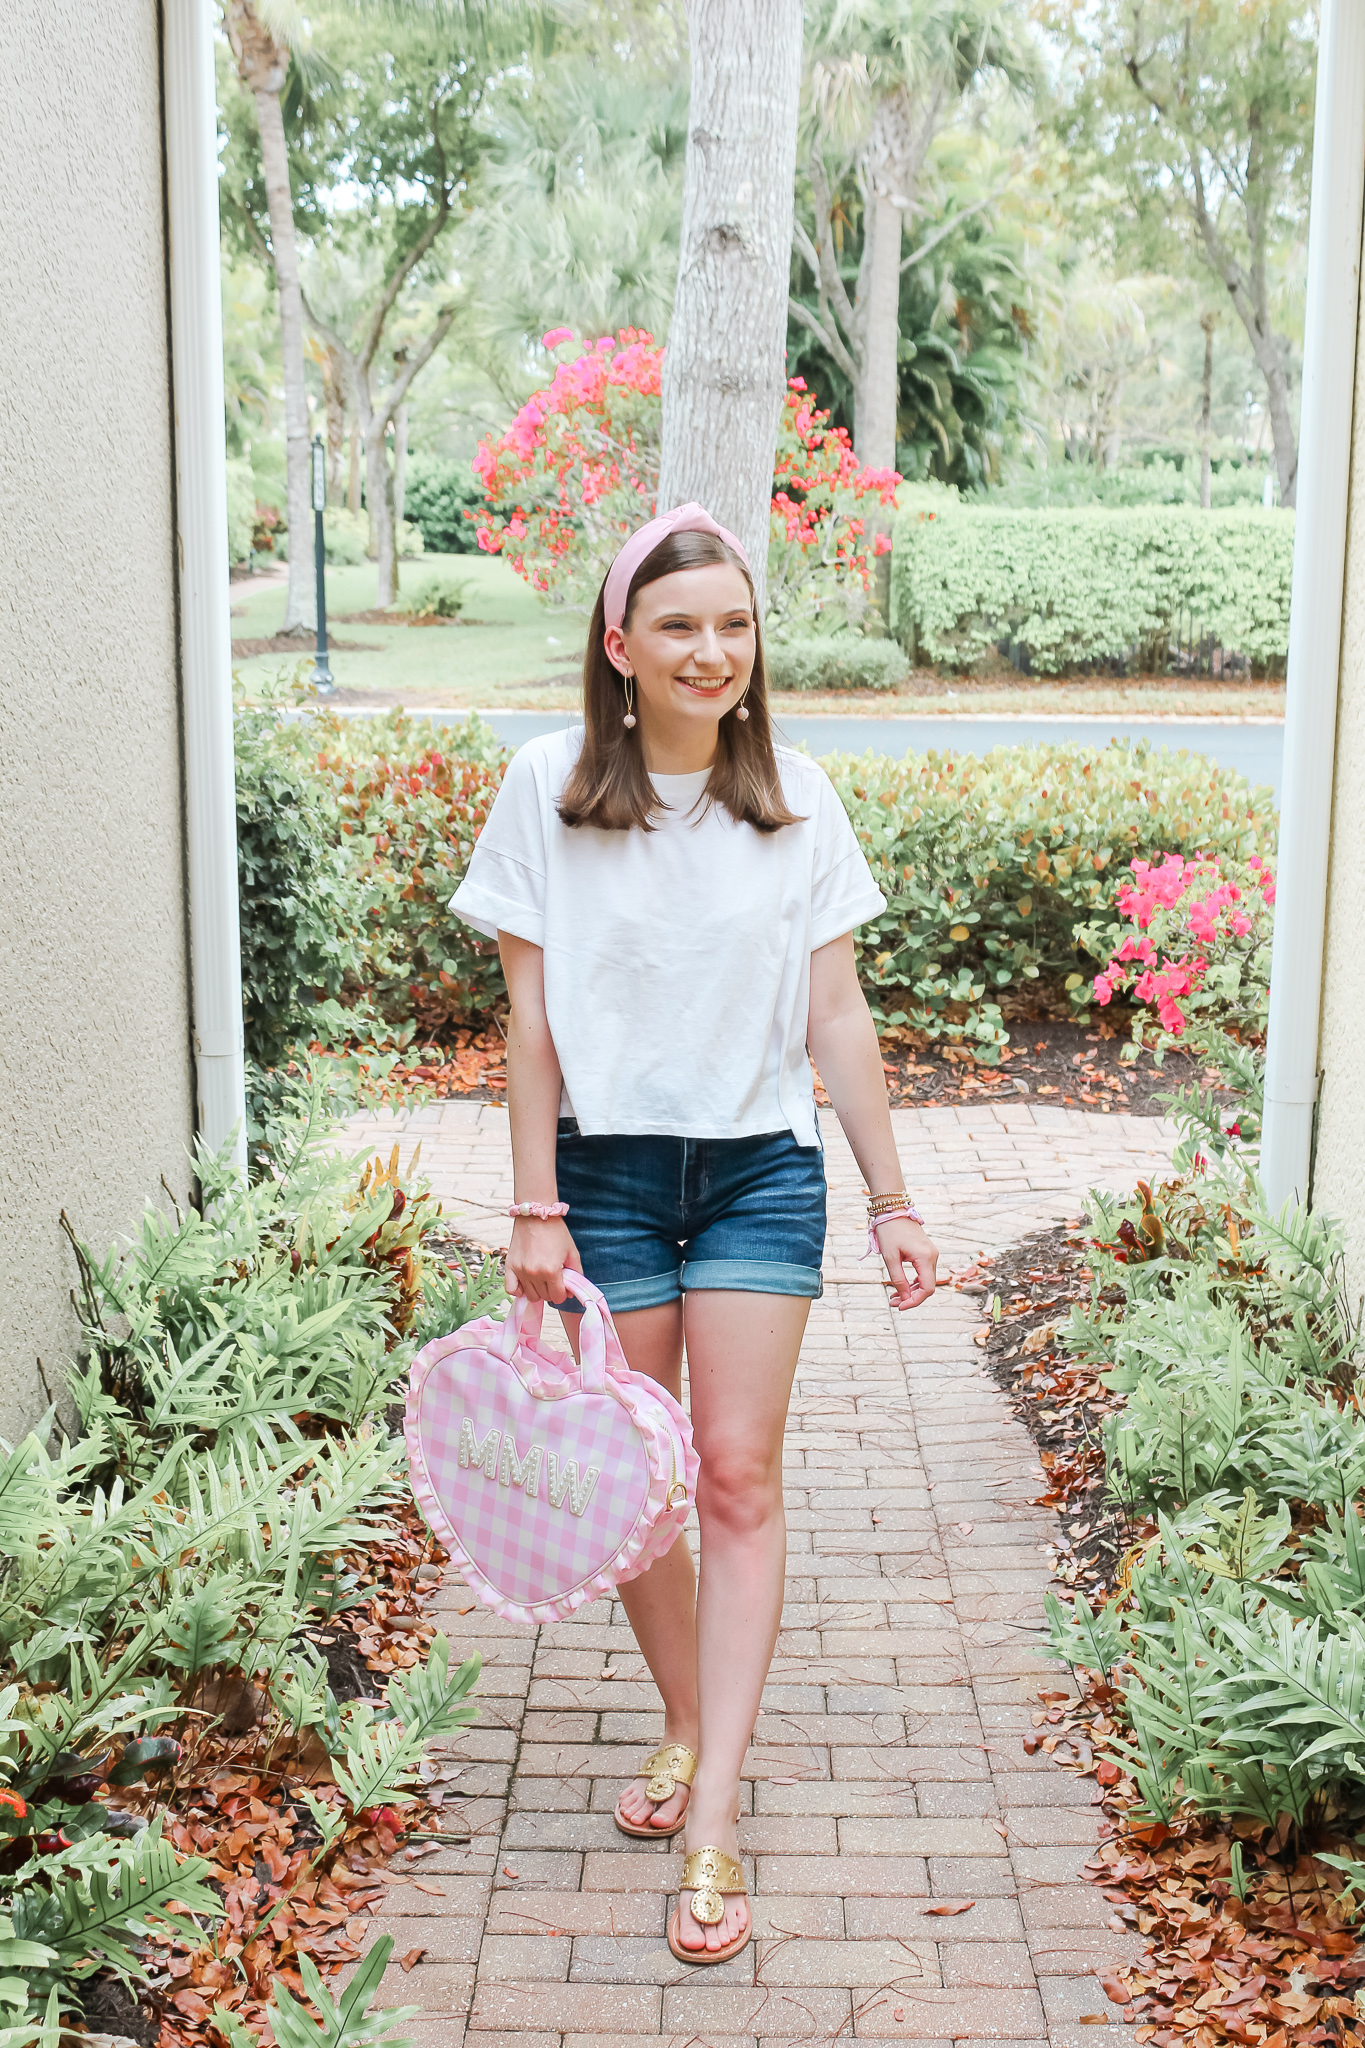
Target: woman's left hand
(905, 1244)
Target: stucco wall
(1339, 1175)
(95, 1083)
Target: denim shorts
(654, 1218)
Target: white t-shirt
(677, 961)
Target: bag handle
(598, 1344)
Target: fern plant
(1238, 1642)
(238, 1364)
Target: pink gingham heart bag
(548, 1482)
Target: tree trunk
(400, 464)
(1282, 432)
(262, 65)
(379, 498)
(725, 368)
(1208, 323)
(334, 399)
(876, 393)
(353, 481)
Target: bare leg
(742, 1351)
(661, 1604)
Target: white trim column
(1329, 361)
(201, 516)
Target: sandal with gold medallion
(669, 1767)
(712, 1877)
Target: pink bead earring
(742, 709)
(629, 719)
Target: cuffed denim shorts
(654, 1218)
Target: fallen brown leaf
(944, 1907)
(411, 1959)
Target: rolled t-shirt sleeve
(843, 892)
(504, 884)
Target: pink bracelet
(543, 1211)
(888, 1216)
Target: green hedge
(355, 832)
(836, 664)
(1079, 587)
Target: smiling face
(690, 643)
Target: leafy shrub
(989, 866)
(237, 1364)
(241, 508)
(406, 800)
(579, 470)
(837, 663)
(346, 538)
(1238, 1642)
(1196, 948)
(437, 493)
(302, 905)
(999, 872)
(1083, 586)
(440, 597)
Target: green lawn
(504, 656)
(519, 655)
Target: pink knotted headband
(686, 519)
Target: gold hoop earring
(629, 719)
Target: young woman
(674, 899)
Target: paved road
(1254, 748)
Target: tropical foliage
(168, 1574)
(1236, 1457)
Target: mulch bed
(304, 645)
(1071, 1066)
(1279, 1969)
(383, 618)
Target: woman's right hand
(537, 1256)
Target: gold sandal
(669, 1767)
(711, 1876)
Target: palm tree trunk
(334, 399)
(262, 65)
(725, 369)
(876, 393)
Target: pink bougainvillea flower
(555, 336)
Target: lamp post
(322, 674)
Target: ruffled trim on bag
(648, 1539)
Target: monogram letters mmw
(497, 1454)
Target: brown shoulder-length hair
(609, 786)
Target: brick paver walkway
(887, 1771)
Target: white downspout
(1329, 362)
(201, 514)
